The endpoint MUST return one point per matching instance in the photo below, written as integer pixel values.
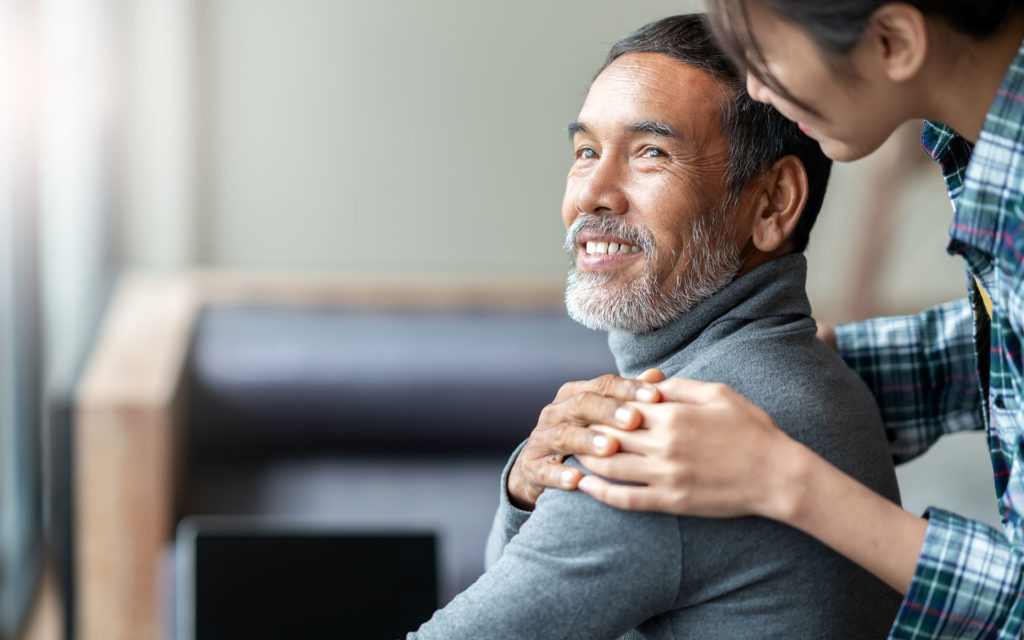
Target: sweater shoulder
(808, 390)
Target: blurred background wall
(407, 137)
(401, 137)
(327, 136)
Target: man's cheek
(694, 186)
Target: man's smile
(600, 250)
(603, 248)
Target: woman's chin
(843, 151)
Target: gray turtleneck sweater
(576, 568)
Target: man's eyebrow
(647, 126)
(657, 128)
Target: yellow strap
(984, 297)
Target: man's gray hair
(757, 134)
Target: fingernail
(567, 477)
(624, 415)
(646, 394)
(584, 484)
(601, 443)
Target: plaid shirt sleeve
(921, 370)
(967, 584)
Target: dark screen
(312, 585)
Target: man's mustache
(613, 226)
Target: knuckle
(680, 498)
(560, 439)
(529, 473)
(676, 414)
(567, 389)
(583, 405)
(578, 401)
(546, 416)
(630, 501)
(606, 383)
(720, 389)
(679, 476)
(530, 458)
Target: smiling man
(687, 208)
(638, 275)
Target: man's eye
(585, 153)
(652, 152)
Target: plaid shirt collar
(996, 178)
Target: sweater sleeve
(576, 569)
(508, 518)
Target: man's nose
(603, 189)
(757, 89)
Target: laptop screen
(237, 580)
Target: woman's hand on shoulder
(705, 450)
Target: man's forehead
(654, 87)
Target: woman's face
(850, 114)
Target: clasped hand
(693, 448)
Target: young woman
(850, 72)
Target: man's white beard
(643, 305)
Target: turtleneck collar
(775, 289)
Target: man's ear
(898, 35)
(783, 198)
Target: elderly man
(687, 207)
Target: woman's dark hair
(757, 134)
(838, 25)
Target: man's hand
(562, 430)
(704, 451)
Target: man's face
(643, 197)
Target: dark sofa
(396, 418)
(353, 405)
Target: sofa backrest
(266, 379)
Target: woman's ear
(898, 32)
(783, 198)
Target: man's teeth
(610, 248)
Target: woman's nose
(757, 89)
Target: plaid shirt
(969, 580)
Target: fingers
(641, 441)
(693, 391)
(589, 408)
(621, 496)
(560, 476)
(528, 478)
(572, 440)
(562, 431)
(614, 386)
(624, 467)
(714, 453)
